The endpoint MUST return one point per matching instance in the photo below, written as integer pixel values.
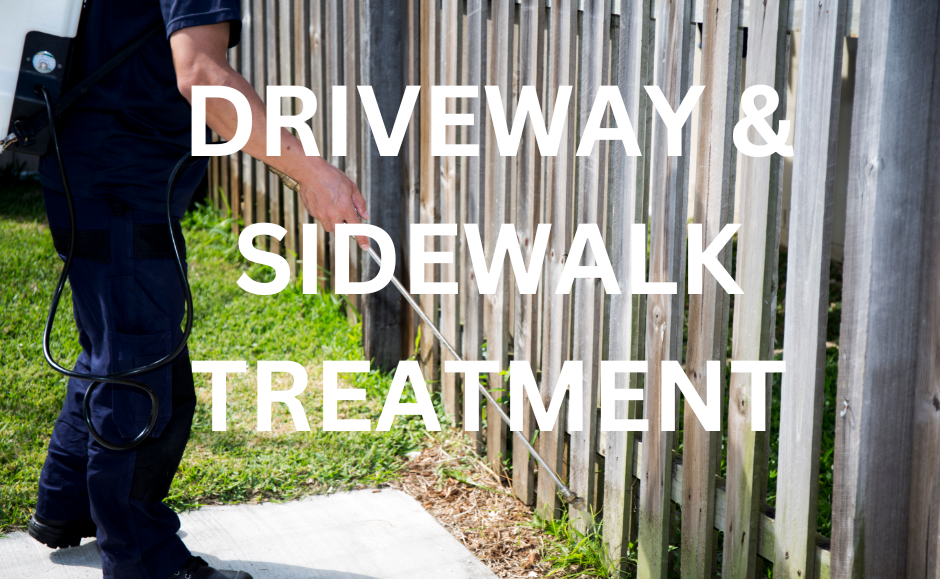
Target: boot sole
(57, 538)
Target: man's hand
(199, 59)
(333, 198)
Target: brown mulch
(479, 510)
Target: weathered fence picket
(638, 485)
(268, 74)
(284, 73)
(449, 19)
(525, 335)
(472, 302)
(496, 207)
(562, 65)
(313, 42)
(588, 295)
(246, 171)
(334, 78)
(669, 176)
(888, 380)
(353, 159)
(708, 311)
(627, 206)
(429, 184)
(259, 74)
(233, 192)
(753, 330)
(807, 304)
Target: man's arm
(199, 59)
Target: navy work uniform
(119, 144)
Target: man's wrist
(300, 167)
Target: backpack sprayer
(39, 40)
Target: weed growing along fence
(642, 485)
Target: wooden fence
(887, 495)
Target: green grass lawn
(230, 324)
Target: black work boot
(60, 534)
(197, 568)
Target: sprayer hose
(117, 377)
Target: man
(119, 143)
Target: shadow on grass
(21, 199)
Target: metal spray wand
(567, 495)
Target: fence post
(382, 311)
(886, 492)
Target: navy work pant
(128, 303)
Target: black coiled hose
(118, 377)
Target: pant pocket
(139, 334)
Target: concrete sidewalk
(357, 535)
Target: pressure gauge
(43, 62)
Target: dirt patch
(477, 507)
